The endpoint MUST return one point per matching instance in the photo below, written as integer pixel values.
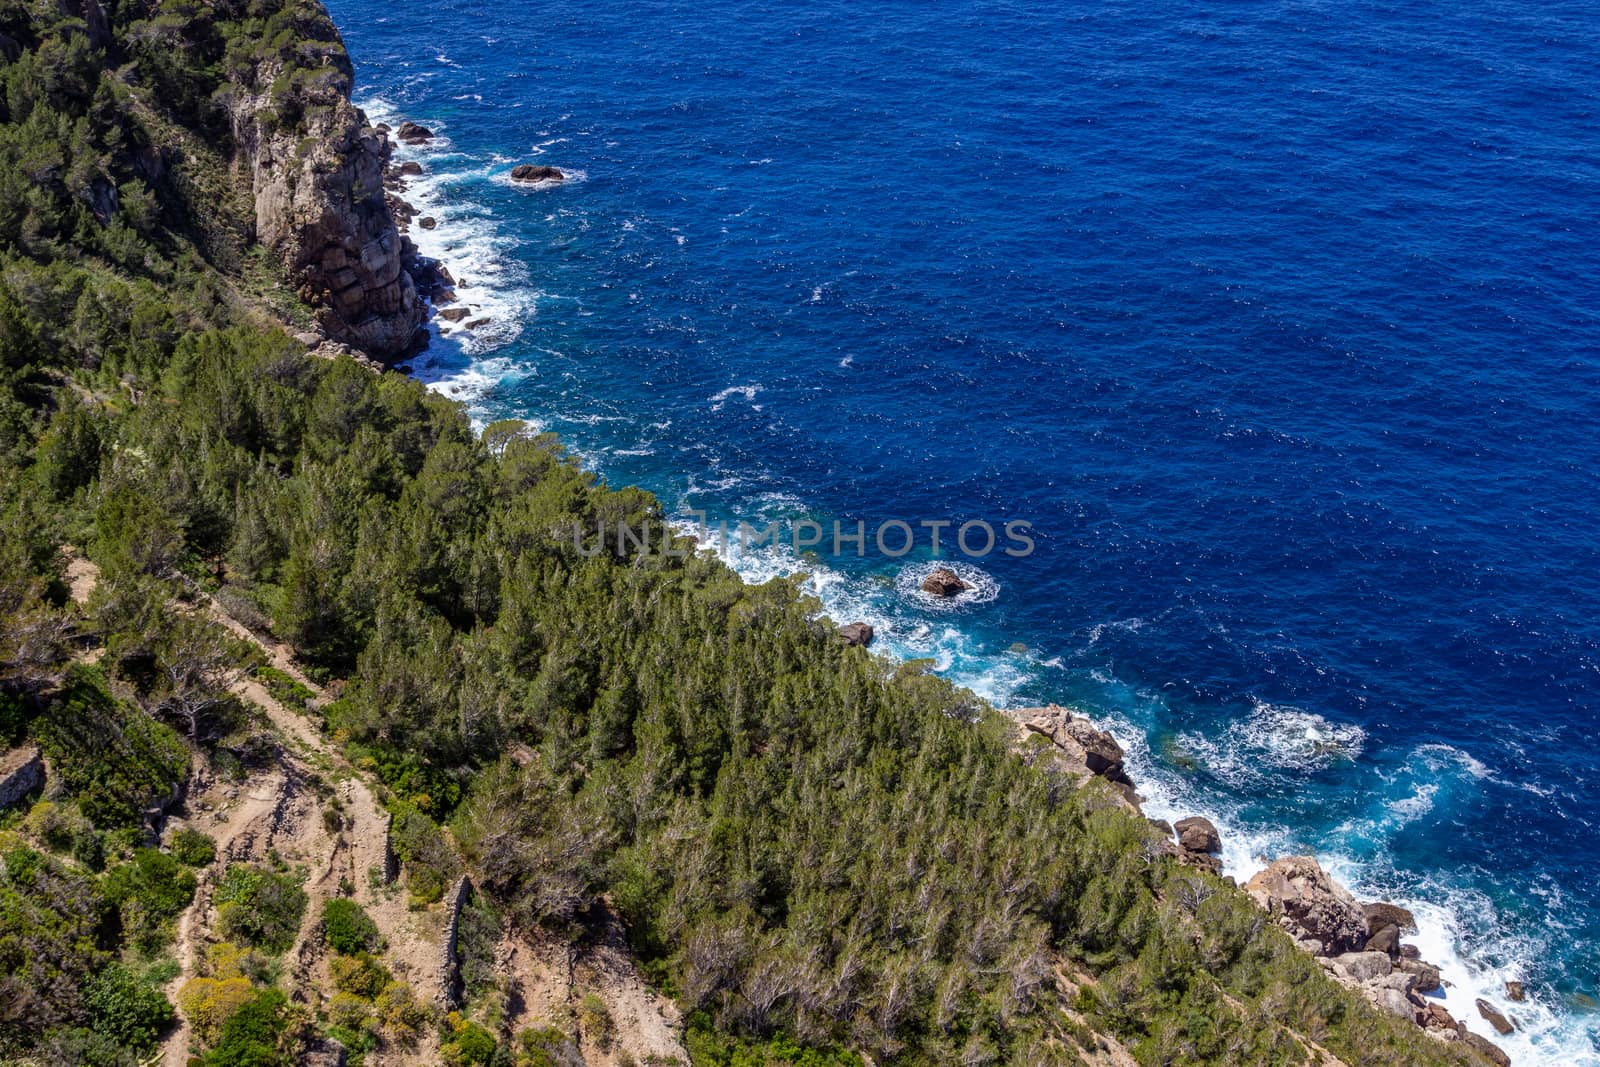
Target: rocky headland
(1359, 944)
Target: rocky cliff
(315, 168)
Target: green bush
(259, 907)
(360, 975)
(191, 847)
(253, 1036)
(467, 1043)
(124, 1008)
(113, 758)
(348, 929)
(150, 891)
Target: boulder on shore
(856, 633)
(411, 133)
(1309, 905)
(529, 172)
(943, 582)
(1197, 834)
(1380, 915)
(1074, 748)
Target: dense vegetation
(816, 852)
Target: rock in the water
(427, 222)
(1380, 915)
(475, 324)
(856, 633)
(529, 172)
(411, 133)
(454, 314)
(1310, 905)
(410, 167)
(943, 582)
(1516, 992)
(1198, 834)
(1501, 1024)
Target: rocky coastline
(1359, 944)
(337, 217)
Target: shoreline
(1427, 1012)
(1358, 943)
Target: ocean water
(1279, 321)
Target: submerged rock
(943, 582)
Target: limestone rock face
(1310, 905)
(316, 175)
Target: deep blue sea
(1279, 321)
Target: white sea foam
(491, 281)
(747, 391)
(1476, 948)
(1274, 739)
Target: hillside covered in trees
(819, 856)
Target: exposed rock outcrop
(21, 772)
(316, 174)
(1198, 843)
(943, 582)
(1359, 945)
(856, 633)
(1492, 1015)
(1070, 746)
(1316, 911)
(528, 172)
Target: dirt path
(311, 808)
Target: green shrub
(113, 758)
(150, 891)
(260, 907)
(192, 847)
(124, 1008)
(253, 1035)
(361, 975)
(348, 929)
(284, 689)
(467, 1043)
